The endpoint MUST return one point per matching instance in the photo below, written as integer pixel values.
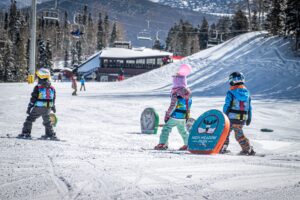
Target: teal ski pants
(181, 126)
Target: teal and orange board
(209, 133)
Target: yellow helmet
(43, 73)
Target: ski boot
(183, 148)
(49, 135)
(24, 135)
(161, 147)
(224, 151)
(249, 152)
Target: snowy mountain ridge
(268, 63)
(205, 6)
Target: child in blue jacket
(239, 111)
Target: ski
(9, 136)
(238, 154)
(171, 151)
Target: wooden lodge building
(107, 64)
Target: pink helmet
(184, 70)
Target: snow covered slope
(103, 156)
(268, 63)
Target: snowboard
(209, 133)
(31, 138)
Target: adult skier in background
(74, 85)
(121, 76)
(41, 103)
(178, 111)
(239, 111)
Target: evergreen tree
(48, 54)
(66, 33)
(157, 45)
(12, 25)
(249, 14)
(275, 19)
(2, 68)
(223, 28)
(100, 34)
(213, 31)
(292, 26)
(8, 62)
(113, 35)
(292, 16)
(90, 32)
(203, 34)
(254, 22)
(85, 15)
(6, 21)
(74, 60)
(44, 54)
(21, 60)
(239, 23)
(106, 31)
(79, 51)
(170, 36)
(66, 23)
(66, 58)
(182, 39)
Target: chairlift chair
(144, 35)
(78, 18)
(51, 14)
(213, 41)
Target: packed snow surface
(102, 153)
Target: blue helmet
(236, 78)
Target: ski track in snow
(104, 155)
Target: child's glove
(187, 116)
(29, 108)
(248, 121)
(53, 109)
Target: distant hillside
(133, 15)
(4, 4)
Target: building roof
(91, 63)
(132, 53)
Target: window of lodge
(130, 64)
(140, 63)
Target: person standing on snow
(178, 111)
(74, 85)
(239, 111)
(121, 75)
(82, 81)
(41, 103)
